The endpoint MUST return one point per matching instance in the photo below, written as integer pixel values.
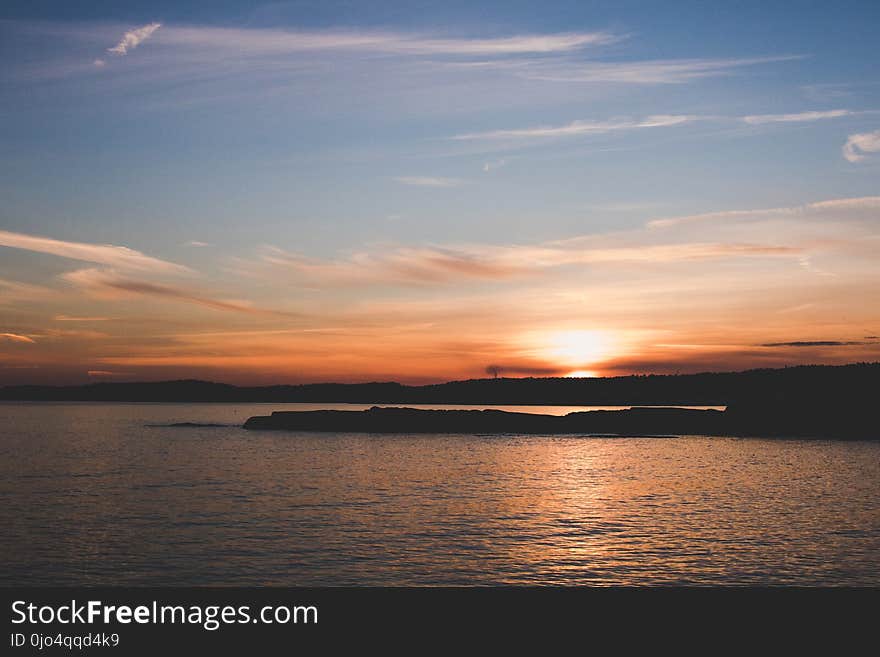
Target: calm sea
(90, 494)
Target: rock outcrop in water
(631, 422)
(764, 421)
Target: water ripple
(92, 496)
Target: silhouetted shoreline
(706, 389)
(809, 401)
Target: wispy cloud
(536, 56)
(816, 343)
(72, 333)
(197, 244)
(799, 234)
(103, 374)
(15, 337)
(576, 128)
(862, 203)
(859, 145)
(660, 71)
(417, 265)
(272, 41)
(106, 254)
(424, 73)
(432, 264)
(799, 117)
(73, 318)
(429, 181)
(133, 38)
(796, 309)
(18, 291)
(98, 279)
(855, 203)
(491, 165)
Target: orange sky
(259, 196)
(722, 291)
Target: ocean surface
(97, 494)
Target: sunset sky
(419, 191)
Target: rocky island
(756, 420)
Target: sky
(424, 191)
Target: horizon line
(424, 385)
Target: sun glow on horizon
(577, 349)
(582, 374)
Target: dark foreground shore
(735, 421)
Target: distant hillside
(809, 384)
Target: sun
(576, 351)
(578, 348)
(582, 374)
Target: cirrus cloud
(108, 281)
(133, 38)
(256, 41)
(643, 72)
(121, 257)
(15, 337)
(577, 128)
(859, 145)
(799, 117)
(817, 209)
(428, 265)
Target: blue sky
(214, 133)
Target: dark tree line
(813, 384)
